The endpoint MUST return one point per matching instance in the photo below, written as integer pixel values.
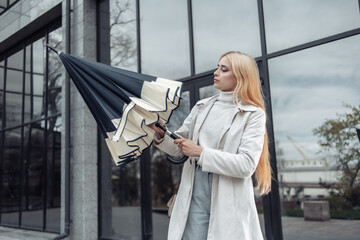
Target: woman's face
(224, 78)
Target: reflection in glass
(126, 212)
(164, 38)
(120, 202)
(37, 107)
(27, 109)
(289, 23)
(1, 109)
(27, 83)
(16, 61)
(165, 175)
(28, 58)
(55, 77)
(223, 26)
(308, 87)
(208, 91)
(33, 165)
(53, 174)
(14, 80)
(1, 75)
(11, 180)
(38, 56)
(38, 84)
(123, 34)
(13, 109)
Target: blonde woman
(226, 141)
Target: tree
(339, 135)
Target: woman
(226, 141)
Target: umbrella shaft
(167, 132)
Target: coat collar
(240, 107)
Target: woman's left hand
(188, 147)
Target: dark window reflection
(53, 168)
(11, 177)
(289, 23)
(2, 75)
(307, 88)
(34, 142)
(30, 152)
(221, 26)
(164, 38)
(126, 211)
(15, 61)
(14, 80)
(13, 109)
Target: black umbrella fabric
(123, 103)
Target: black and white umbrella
(123, 103)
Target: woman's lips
(216, 81)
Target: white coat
(233, 213)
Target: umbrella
(124, 104)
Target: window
(30, 133)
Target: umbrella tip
(52, 48)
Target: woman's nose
(216, 72)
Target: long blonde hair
(248, 90)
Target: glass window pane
(55, 77)
(166, 176)
(1, 75)
(1, 108)
(32, 216)
(165, 38)
(38, 56)
(13, 109)
(125, 202)
(290, 23)
(3, 3)
(16, 61)
(308, 88)
(123, 34)
(27, 108)
(53, 174)
(37, 99)
(11, 178)
(221, 26)
(14, 80)
(38, 110)
(38, 84)
(27, 83)
(28, 58)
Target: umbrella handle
(173, 136)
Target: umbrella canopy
(123, 103)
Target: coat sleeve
(167, 145)
(242, 164)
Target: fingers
(178, 141)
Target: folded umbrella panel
(123, 103)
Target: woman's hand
(188, 147)
(158, 130)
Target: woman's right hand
(158, 130)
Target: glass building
(56, 174)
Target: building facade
(57, 177)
